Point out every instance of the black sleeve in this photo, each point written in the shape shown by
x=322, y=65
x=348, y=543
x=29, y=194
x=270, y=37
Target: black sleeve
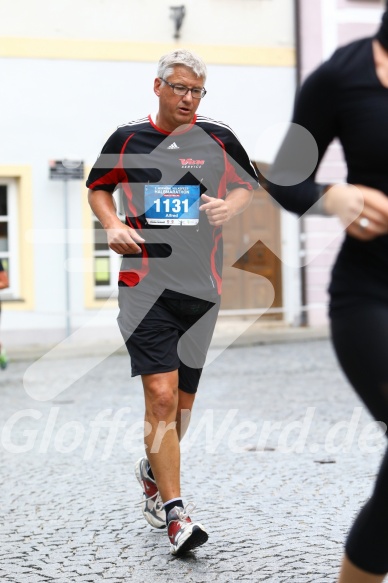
x=292, y=176
x=107, y=171
x=1, y=266
x=240, y=170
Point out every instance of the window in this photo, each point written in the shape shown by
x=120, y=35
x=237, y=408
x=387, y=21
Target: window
x=9, y=252
x=106, y=262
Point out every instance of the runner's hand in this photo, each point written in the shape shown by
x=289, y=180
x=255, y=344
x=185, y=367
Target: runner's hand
x=216, y=209
x=362, y=210
x=124, y=240
x=373, y=221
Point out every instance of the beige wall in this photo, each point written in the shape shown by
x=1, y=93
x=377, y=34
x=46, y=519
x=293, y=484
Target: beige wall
x=217, y=22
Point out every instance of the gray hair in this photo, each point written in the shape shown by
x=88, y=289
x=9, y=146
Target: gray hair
x=181, y=57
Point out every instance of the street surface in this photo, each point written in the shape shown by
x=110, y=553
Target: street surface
x=279, y=456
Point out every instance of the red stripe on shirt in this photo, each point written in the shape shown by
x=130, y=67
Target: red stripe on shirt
x=231, y=175
x=217, y=277
x=115, y=176
x=134, y=276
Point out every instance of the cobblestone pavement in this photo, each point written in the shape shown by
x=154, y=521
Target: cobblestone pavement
x=279, y=457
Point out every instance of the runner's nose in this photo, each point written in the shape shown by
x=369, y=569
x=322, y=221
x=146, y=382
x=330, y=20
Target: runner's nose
x=188, y=97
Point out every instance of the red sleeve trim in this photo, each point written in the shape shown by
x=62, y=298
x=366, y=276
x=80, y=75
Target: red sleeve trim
x=231, y=176
x=115, y=176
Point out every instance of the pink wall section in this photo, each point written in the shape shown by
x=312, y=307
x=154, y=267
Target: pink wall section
x=310, y=35
x=348, y=32
x=320, y=22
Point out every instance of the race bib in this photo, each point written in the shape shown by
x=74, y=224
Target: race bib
x=171, y=205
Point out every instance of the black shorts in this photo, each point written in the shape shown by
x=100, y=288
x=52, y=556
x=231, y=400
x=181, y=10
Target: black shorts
x=173, y=334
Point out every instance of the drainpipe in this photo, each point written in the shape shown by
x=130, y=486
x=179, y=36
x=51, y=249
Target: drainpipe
x=298, y=42
x=298, y=72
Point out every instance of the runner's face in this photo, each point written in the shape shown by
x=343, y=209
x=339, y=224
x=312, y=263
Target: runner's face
x=176, y=110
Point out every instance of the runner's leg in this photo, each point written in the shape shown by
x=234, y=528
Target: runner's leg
x=185, y=405
x=351, y=574
x=162, y=443
x=360, y=338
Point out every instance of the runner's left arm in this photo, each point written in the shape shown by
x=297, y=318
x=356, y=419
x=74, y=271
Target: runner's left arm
x=240, y=182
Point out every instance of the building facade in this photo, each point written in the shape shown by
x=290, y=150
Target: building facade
x=72, y=73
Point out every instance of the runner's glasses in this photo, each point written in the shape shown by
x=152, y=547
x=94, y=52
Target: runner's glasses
x=196, y=93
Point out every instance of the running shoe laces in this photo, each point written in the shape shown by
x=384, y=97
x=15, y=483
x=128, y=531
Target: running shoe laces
x=152, y=504
x=184, y=535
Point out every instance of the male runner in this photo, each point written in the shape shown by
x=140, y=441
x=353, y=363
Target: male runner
x=182, y=176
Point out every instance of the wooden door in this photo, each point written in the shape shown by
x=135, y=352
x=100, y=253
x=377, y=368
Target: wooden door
x=257, y=229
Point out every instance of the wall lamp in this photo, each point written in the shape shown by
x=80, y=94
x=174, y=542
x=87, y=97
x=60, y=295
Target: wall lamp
x=178, y=14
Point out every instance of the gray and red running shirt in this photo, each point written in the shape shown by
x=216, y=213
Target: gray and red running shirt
x=161, y=176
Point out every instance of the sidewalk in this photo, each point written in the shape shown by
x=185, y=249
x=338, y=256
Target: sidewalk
x=229, y=331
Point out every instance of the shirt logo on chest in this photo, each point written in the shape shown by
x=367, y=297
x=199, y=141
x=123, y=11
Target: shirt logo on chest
x=190, y=163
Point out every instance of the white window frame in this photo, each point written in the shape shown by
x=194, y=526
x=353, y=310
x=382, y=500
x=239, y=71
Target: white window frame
x=106, y=291
x=12, y=254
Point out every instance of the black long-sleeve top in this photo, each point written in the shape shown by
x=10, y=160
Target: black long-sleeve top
x=343, y=98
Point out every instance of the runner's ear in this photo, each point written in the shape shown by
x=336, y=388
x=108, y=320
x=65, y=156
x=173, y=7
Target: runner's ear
x=157, y=84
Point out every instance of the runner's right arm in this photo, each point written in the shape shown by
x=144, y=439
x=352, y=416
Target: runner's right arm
x=121, y=238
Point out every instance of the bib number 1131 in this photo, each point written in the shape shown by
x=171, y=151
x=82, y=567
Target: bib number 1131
x=172, y=205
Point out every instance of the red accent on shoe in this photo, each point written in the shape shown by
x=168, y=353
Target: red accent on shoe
x=174, y=526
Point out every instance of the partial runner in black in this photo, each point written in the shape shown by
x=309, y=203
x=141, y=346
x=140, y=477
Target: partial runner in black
x=181, y=177
x=347, y=97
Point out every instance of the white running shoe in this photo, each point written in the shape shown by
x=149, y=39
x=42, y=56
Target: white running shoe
x=184, y=534
x=152, y=504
